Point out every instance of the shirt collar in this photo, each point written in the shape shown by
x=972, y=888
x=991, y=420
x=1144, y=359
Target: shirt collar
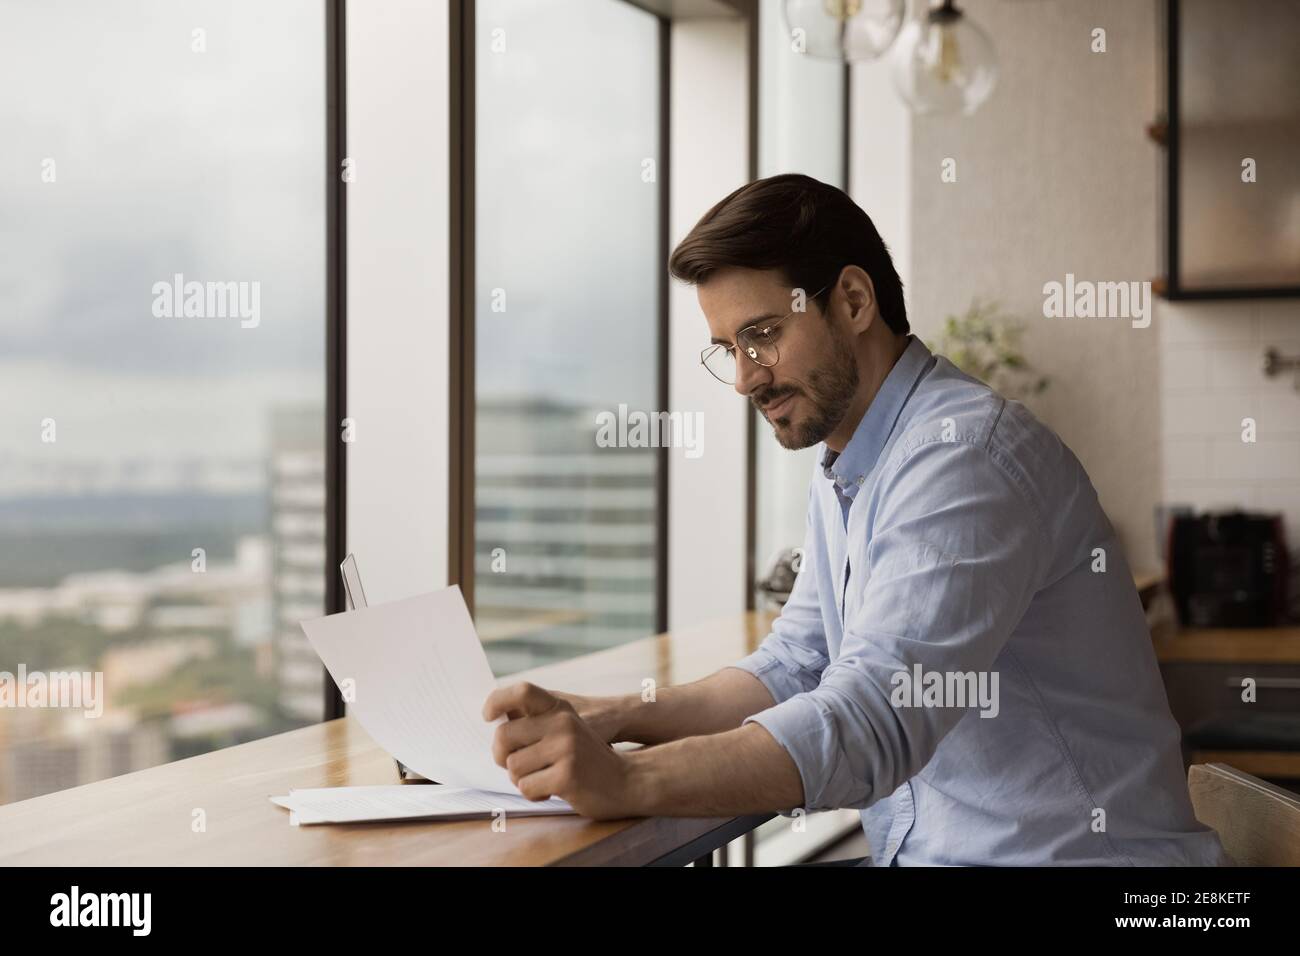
x=850, y=468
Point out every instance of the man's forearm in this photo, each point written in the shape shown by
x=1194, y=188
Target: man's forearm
x=727, y=774
x=715, y=704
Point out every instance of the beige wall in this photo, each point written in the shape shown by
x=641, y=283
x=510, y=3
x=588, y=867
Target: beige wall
x=709, y=143
x=398, y=245
x=1055, y=174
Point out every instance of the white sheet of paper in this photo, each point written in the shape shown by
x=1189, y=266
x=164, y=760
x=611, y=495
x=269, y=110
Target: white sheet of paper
x=407, y=802
x=420, y=678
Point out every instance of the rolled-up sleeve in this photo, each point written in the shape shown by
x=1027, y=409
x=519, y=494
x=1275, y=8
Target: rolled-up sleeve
x=953, y=560
x=793, y=657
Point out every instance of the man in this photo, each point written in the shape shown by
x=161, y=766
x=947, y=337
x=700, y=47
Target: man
x=963, y=657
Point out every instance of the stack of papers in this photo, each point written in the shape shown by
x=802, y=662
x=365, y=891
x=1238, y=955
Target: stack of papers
x=416, y=678
x=409, y=802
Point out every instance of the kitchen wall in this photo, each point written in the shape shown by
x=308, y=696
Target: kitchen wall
x=1210, y=380
x=1056, y=175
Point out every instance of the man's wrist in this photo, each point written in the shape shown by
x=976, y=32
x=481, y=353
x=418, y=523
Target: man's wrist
x=644, y=782
x=609, y=716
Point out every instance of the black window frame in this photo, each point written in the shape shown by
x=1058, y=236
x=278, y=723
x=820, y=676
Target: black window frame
x=462, y=397
x=336, y=339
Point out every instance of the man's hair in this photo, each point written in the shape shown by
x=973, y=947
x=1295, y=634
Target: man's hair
x=807, y=229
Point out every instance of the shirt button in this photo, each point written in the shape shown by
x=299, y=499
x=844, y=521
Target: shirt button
x=861, y=479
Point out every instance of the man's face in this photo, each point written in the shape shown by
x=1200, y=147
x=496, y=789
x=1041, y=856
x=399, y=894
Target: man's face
x=807, y=393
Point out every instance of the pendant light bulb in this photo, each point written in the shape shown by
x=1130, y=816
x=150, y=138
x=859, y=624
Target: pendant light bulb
x=945, y=63
x=843, y=30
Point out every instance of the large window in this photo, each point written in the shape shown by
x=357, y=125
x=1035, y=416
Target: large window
x=568, y=266
x=162, y=331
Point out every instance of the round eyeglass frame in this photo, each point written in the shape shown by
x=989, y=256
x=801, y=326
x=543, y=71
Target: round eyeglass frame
x=751, y=351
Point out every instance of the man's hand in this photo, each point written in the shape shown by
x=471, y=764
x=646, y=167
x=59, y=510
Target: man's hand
x=602, y=714
x=549, y=750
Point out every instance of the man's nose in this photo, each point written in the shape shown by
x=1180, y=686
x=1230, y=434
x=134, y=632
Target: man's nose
x=750, y=376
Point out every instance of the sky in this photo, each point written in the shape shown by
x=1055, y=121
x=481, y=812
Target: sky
x=210, y=164
x=566, y=224
x=167, y=161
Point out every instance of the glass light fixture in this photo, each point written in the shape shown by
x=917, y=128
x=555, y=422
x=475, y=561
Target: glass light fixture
x=843, y=29
x=944, y=63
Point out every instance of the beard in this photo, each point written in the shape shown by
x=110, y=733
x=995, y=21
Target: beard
x=829, y=390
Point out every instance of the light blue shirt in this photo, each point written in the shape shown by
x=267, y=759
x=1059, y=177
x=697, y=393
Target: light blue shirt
x=957, y=546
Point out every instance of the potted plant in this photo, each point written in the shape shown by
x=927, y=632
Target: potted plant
x=984, y=342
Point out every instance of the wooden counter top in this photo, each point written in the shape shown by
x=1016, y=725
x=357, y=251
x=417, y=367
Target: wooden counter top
x=1263, y=645
x=145, y=818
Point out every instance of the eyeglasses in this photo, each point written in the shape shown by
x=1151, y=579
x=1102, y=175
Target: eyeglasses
x=758, y=344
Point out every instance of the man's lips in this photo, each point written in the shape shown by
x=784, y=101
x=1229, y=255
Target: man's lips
x=778, y=407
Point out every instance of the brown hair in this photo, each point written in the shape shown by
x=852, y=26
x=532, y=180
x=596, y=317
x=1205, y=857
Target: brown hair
x=807, y=229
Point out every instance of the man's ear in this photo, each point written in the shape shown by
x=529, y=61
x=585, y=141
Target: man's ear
x=860, y=294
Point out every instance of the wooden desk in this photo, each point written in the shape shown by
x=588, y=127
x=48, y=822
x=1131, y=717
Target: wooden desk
x=145, y=818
